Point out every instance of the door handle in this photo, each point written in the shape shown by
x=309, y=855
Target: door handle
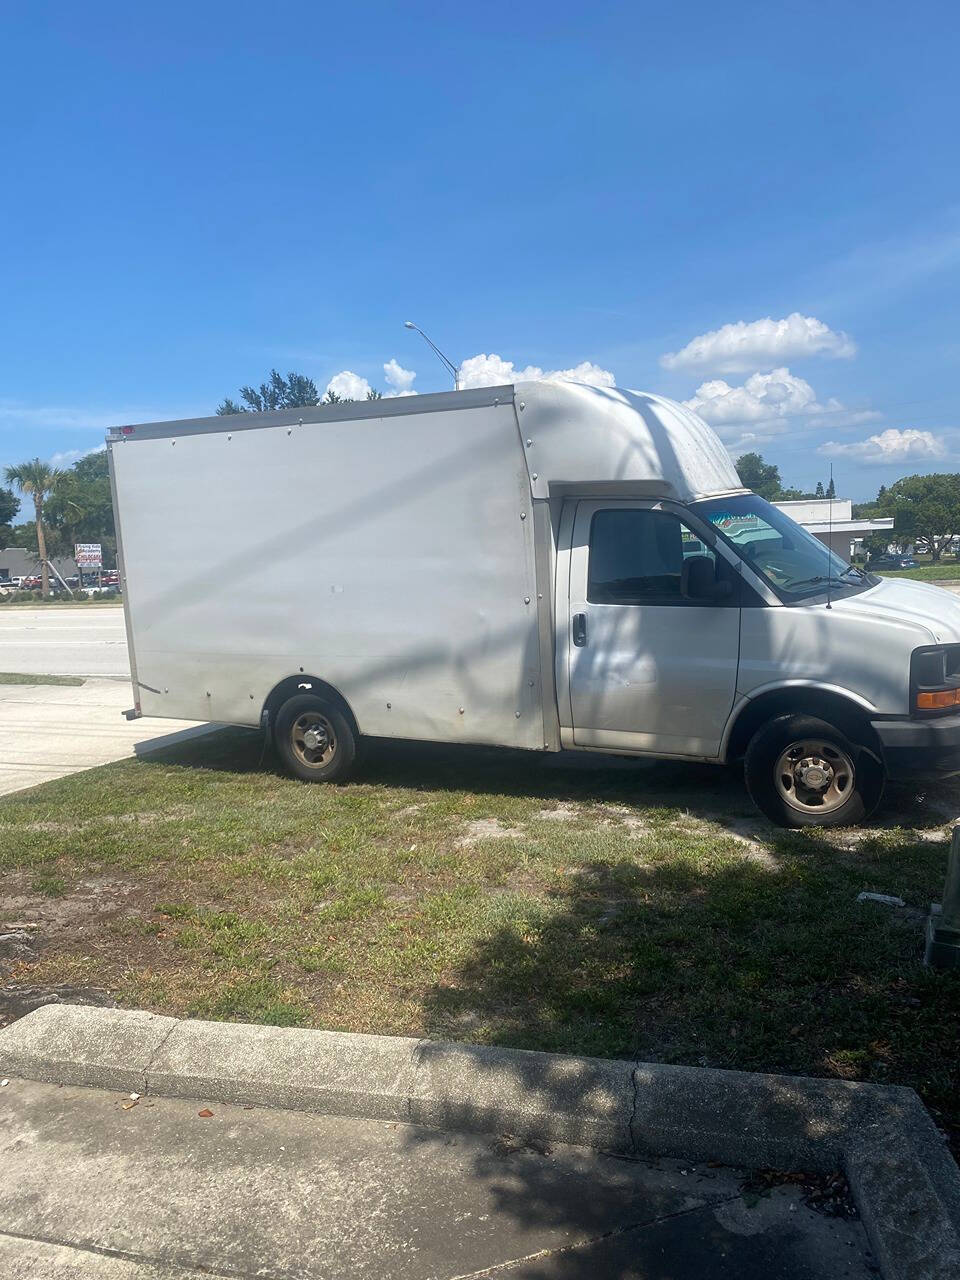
x=579, y=629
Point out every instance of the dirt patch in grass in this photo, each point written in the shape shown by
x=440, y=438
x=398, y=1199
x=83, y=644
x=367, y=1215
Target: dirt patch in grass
x=142, y=817
x=611, y=908
x=562, y=812
x=487, y=829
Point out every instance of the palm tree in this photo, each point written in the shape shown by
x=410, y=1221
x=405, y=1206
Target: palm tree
x=38, y=480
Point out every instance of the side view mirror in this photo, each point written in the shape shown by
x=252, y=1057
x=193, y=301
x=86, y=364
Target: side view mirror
x=698, y=581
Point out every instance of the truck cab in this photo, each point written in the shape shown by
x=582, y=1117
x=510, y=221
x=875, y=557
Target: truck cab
x=719, y=629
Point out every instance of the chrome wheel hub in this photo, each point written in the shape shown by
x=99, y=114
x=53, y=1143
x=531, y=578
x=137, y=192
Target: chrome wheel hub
x=814, y=776
x=313, y=739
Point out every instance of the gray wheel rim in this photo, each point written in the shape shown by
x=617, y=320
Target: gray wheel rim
x=313, y=739
x=814, y=776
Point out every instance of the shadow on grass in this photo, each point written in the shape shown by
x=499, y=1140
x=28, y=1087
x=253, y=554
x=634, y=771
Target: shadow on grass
x=743, y=967
x=733, y=965
x=716, y=793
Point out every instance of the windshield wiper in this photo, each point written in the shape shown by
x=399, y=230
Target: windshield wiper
x=818, y=578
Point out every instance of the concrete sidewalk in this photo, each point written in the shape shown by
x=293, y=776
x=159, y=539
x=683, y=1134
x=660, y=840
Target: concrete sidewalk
x=49, y=731
x=98, y=1184
x=421, y=1158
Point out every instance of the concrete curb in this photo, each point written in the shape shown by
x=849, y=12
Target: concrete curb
x=906, y=1186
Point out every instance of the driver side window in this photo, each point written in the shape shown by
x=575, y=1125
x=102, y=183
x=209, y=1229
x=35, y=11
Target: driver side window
x=637, y=555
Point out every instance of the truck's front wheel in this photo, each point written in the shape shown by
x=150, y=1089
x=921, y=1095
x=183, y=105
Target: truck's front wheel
x=314, y=739
x=802, y=772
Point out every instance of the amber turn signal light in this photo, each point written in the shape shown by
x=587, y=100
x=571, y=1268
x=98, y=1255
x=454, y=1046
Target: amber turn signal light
x=941, y=698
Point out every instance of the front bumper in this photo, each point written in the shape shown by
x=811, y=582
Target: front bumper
x=920, y=748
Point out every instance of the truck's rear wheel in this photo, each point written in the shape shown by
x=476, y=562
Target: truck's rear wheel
x=803, y=772
x=314, y=739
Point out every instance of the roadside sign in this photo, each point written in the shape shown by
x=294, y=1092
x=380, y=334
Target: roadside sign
x=89, y=555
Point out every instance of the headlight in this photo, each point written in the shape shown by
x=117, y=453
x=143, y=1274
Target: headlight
x=935, y=679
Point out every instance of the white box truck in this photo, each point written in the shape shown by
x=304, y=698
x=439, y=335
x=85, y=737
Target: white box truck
x=543, y=566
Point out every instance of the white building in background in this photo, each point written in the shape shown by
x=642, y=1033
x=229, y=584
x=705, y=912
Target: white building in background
x=836, y=527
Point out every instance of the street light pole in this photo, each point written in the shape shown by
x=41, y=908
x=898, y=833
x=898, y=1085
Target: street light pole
x=408, y=324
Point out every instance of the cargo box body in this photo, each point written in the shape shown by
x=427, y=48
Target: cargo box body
x=390, y=554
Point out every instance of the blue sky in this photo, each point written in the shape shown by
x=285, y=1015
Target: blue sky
x=768, y=193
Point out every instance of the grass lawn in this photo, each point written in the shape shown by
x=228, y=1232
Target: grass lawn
x=949, y=571
x=14, y=677
x=607, y=907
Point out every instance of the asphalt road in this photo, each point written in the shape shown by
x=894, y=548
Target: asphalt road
x=79, y=640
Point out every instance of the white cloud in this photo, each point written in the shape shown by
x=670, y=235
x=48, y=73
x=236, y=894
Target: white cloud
x=762, y=344
x=586, y=372
x=348, y=386
x=766, y=405
x=493, y=371
x=892, y=445
x=764, y=397
x=487, y=371
x=400, y=380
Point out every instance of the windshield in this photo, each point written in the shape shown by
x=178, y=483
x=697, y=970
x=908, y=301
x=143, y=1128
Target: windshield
x=795, y=563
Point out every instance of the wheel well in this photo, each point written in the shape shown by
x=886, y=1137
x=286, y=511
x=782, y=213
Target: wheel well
x=304, y=683
x=848, y=717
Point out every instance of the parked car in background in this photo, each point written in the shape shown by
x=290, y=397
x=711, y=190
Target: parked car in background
x=892, y=562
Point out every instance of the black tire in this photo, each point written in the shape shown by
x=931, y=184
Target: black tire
x=803, y=772
x=335, y=749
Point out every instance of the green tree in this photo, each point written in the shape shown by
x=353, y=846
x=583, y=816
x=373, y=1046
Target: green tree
x=925, y=510
x=762, y=477
x=819, y=491
x=876, y=544
x=292, y=392
x=39, y=480
x=831, y=489
x=81, y=507
x=9, y=506
x=24, y=535
x=331, y=397
x=295, y=391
